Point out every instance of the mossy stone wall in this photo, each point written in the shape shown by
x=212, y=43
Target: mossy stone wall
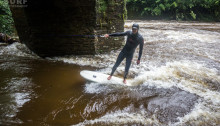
x=111, y=15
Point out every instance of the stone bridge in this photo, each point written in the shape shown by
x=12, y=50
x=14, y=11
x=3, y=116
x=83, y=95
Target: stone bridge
x=60, y=27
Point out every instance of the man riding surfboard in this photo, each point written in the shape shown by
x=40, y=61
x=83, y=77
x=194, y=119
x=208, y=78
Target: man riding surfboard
x=133, y=40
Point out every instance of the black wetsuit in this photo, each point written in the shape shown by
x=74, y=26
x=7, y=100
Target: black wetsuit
x=133, y=40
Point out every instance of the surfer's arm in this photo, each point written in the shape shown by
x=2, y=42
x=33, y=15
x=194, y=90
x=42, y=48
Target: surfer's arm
x=117, y=34
x=141, y=49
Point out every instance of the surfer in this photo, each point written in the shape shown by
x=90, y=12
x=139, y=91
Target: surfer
x=133, y=40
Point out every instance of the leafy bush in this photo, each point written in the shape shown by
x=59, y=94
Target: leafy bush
x=6, y=21
x=175, y=9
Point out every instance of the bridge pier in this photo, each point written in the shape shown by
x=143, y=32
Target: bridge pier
x=56, y=27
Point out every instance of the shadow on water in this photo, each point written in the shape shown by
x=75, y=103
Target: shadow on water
x=32, y=88
x=54, y=83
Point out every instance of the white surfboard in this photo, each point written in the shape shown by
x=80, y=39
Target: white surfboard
x=102, y=78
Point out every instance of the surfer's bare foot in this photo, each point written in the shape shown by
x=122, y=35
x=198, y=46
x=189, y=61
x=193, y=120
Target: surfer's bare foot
x=124, y=81
x=109, y=78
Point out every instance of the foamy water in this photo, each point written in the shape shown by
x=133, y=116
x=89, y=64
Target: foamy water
x=17, y=49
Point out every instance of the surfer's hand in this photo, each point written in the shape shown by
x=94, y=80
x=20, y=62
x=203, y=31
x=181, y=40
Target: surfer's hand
x=106, y=35
x=138, y=62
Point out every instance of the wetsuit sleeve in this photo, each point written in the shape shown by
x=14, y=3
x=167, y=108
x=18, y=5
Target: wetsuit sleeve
x=141, y=48
x=119, y=34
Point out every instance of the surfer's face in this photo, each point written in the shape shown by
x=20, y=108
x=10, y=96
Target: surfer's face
x=134, y=30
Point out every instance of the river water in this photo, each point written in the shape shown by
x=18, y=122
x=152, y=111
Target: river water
x=177, y=82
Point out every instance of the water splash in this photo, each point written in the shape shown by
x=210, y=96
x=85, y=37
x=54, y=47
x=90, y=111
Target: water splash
x=17, y=49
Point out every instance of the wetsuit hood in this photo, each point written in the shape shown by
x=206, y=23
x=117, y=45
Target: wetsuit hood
x=135, y=26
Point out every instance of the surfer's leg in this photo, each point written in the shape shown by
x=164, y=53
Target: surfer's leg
x=124, y=81
x=120, y=58
x=109, y=78
x=127, y=66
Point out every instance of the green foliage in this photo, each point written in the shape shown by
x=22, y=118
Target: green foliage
x=6, y=21
x=102, y=6
x=193, y=15
x=175, y=9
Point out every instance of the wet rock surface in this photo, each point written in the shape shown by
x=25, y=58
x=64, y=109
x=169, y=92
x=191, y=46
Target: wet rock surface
x=171, y=104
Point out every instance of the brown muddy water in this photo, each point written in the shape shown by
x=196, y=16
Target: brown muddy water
x=177, y=82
